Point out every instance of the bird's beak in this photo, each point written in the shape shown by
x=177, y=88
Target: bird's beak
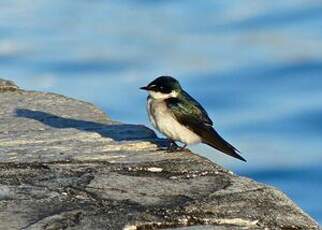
x=144, y=88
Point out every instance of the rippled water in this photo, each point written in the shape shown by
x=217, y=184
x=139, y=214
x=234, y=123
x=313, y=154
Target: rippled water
x=256, y=66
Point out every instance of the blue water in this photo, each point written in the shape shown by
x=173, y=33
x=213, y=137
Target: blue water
x=256, y=66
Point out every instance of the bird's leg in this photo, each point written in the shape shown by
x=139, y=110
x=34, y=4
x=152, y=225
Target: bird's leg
x=172, y=146
x=183, y=147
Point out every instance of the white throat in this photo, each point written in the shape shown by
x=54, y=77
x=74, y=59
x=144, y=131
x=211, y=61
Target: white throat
x=162, y=96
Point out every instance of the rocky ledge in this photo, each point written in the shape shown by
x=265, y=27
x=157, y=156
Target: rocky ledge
x=65, y=165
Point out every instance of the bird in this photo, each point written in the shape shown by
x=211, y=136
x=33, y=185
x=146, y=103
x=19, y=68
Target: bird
x=181, y=118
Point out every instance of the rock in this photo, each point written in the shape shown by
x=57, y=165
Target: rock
x=6, y=85
x=65, y=165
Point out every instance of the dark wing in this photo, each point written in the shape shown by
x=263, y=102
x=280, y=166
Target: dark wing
x=195, y=118
x=196, y=108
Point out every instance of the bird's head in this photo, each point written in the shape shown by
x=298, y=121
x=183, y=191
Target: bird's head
x=163, y=87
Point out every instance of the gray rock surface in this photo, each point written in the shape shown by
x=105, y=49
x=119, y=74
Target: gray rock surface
x=6, y=85
x=65, y=165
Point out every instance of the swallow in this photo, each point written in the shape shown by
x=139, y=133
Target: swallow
x=177, y=115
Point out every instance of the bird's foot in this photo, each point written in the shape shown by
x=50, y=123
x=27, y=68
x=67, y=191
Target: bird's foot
x=172, y=147
x=182, y=148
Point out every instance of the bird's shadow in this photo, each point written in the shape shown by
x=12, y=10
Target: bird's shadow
x=118, y=132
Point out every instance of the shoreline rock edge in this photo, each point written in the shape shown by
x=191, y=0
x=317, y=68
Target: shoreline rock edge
x=64, y=164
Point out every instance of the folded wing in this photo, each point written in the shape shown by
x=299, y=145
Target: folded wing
x=191, y=114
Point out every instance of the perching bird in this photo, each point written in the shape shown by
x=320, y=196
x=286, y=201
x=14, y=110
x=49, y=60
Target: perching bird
x=178, y=116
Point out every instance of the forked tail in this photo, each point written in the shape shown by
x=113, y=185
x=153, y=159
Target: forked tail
x=217, y=142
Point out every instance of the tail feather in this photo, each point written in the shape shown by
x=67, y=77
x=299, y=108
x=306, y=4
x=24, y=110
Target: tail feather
x=217, y=142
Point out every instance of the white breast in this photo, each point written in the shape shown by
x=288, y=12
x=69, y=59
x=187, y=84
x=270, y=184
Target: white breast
x=163, y=120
